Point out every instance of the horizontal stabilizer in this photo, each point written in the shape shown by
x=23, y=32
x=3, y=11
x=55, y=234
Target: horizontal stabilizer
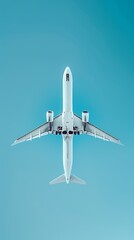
x=72, y=179
x=59, y=179
x=78, y=180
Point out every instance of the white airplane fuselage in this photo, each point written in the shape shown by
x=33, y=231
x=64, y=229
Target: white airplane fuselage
x=67, y=123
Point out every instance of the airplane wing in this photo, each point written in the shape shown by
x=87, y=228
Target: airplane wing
x=94, y=131
x=57, y=123
x=78, y=123
x=40, y=131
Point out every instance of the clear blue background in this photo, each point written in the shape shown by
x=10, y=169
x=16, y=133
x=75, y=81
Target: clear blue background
x=38, y=39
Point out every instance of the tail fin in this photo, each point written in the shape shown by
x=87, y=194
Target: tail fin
x=59, y=179
x=62, y=178
x=75, y=179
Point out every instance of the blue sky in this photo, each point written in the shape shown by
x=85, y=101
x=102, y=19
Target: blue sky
x=38, y=39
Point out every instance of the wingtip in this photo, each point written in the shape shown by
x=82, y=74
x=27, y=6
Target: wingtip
x=14, y=143
x=121, y=144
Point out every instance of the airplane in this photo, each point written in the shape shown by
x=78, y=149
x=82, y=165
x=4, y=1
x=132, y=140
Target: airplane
x=67, y=124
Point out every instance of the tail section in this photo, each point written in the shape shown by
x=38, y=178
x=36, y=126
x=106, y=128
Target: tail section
x=59, y=179
x=72, y=179
x=75, y=179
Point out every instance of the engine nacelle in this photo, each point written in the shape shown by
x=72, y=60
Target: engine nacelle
x=49, y=116
x=85, y=116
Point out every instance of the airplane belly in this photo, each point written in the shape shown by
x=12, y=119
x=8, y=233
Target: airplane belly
x=67, y=99
x=67, y=121
x=67, y=155
x=67, y=91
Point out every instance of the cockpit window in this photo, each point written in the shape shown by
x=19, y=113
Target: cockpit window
x=67, y=77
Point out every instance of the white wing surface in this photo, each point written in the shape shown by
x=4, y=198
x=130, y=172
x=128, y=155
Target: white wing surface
x=40, y=131
x=96, y=132
x=93, y=131
x=57, y=123
x=78, y=123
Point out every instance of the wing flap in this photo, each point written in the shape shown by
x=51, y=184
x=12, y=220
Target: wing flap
x=96, y=132
x=40, y=131
x=92, y=130
x=36, y=133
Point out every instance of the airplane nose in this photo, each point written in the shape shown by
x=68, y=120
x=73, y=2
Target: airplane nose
x=67, y=74
x=67, y=70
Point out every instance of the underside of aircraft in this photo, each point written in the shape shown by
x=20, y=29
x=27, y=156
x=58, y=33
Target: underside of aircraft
x=67, y=124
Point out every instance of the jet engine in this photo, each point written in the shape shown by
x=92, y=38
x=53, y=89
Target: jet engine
x=85, y=116
x=50, y=116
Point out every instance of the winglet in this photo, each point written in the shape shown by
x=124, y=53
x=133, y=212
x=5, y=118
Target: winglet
x=121, y=143
x=14, y=143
